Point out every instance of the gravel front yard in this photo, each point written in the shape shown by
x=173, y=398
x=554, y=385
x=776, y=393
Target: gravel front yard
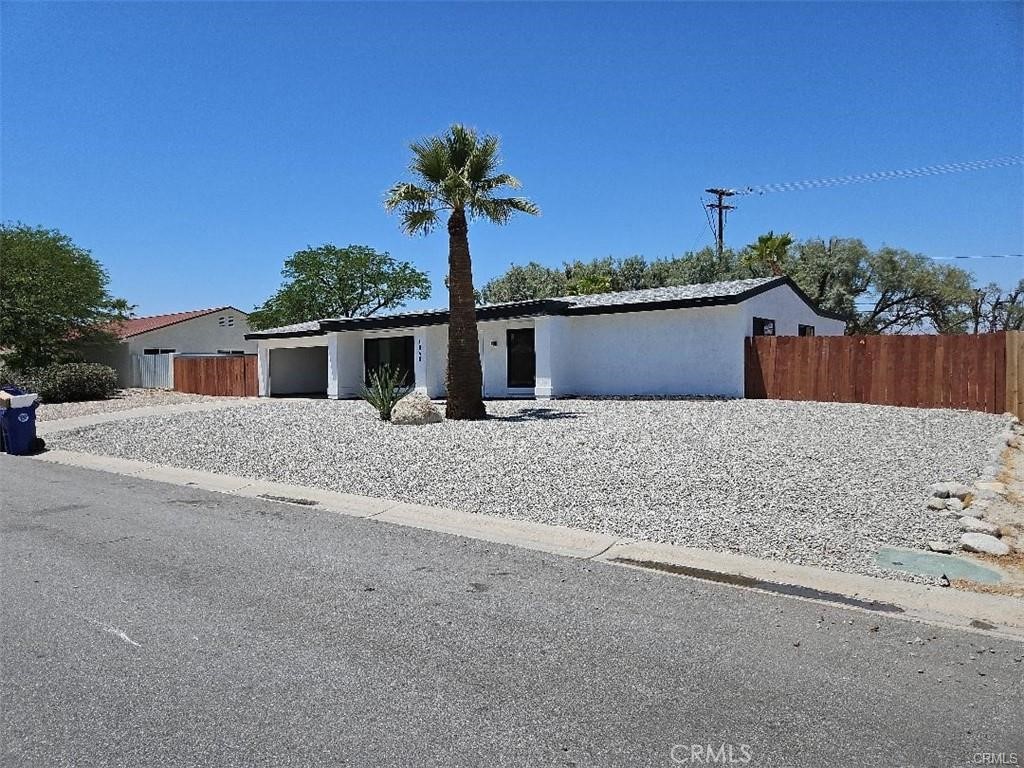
x=813, y=483
x=124, y=400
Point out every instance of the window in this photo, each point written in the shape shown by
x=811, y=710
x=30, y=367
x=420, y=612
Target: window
x=155, y=351
x=395, y=351
x=522, y=361
x=230, y=352
x=764, y=326
x=805, y=330
x=226, y=321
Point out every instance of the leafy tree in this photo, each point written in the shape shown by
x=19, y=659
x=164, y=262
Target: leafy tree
x=458, y=173
x=53, y=297
x=906, y=292
x=991, y=309
x=328, y=281
x=598, y=276
x=885, y=291
x=832, y=273
x=524, y=283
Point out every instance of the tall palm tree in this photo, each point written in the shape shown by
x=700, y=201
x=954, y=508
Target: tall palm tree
x=457, y=172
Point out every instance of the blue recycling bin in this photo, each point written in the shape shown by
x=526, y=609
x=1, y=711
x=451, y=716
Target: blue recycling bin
x=18, y=427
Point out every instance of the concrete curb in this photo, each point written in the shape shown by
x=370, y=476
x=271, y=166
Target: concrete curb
x=996, y=614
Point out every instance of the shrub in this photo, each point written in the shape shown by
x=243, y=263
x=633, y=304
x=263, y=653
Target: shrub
x=70, y=382
x=22, y=379
x=385, y=388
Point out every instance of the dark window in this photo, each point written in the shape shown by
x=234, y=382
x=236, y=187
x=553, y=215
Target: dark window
x=154, y=351
x=805, y=330
x=764, y=326
x=522, y=362
x=230, y=352
x=396, y=351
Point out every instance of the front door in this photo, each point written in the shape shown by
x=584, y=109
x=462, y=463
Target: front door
x=522, y=360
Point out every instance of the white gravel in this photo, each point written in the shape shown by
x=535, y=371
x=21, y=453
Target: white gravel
x=814, y=483
x=124, y=400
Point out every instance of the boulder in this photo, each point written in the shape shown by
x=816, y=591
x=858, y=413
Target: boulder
x=993, y=487
x=954, y=504
x=970, y=511
x=936, y=503
x=415, y=409
x=973, y=525
x=947, y=490
x=984, y=544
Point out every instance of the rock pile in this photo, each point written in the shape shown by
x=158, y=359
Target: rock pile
x=971, y=503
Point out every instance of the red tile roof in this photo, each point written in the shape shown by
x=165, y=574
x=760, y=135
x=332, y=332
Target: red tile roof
x=138, y=325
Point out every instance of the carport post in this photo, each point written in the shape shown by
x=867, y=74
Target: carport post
x=263, y=368
x=549, y=343
x=334, y=365
x=420, y=360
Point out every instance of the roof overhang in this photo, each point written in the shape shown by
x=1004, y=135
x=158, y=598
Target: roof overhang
x=536, y=308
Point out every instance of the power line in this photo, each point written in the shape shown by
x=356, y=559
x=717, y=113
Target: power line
x=861, y=178
x=992, y=256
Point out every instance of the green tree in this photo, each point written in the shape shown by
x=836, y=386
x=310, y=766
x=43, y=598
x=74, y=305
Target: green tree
x=458, y=173
x=524, y=283
x=991, y=308
x=53, y=297
x=770, y=253
x=328, y=281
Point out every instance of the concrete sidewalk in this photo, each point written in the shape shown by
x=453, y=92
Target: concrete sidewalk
x=948, y=607
x=44, y=428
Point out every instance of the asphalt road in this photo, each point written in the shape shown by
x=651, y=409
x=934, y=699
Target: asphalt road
x=153, y=625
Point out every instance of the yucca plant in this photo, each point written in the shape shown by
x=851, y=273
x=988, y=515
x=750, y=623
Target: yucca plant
x=385, y=387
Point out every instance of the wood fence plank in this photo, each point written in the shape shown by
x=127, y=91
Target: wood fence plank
x=979, y=372
x=221, y=375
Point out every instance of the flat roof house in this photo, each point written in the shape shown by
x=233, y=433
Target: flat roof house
x=682, y=340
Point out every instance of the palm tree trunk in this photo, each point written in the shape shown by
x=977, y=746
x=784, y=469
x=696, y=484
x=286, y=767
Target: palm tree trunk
x=465, y=378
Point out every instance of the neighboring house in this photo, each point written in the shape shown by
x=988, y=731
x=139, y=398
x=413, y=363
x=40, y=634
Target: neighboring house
x=685, y=340
x=220, y=330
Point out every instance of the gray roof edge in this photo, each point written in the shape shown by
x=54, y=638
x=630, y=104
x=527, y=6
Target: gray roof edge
x=542, y=307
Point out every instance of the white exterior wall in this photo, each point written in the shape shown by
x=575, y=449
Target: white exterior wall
x=198, y=335
x=343, y=375
x=494, y=355
x=788, y=311
x=695, y=351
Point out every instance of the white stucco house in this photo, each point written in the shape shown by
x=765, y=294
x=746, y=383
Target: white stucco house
x=684, y=340
x=219, y=330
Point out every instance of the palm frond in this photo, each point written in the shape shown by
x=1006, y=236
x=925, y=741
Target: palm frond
x=431, y=160
x=501, y=209
x=420, y=221
x=496, y=182
x=484, y=159
x=461, y=142
x=405, y=195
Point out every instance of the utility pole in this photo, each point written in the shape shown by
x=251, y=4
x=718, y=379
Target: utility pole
x=721, y=207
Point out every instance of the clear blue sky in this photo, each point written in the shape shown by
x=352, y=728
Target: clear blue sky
x=193, y=147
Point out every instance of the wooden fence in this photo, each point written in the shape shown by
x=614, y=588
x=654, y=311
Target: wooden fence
x=224, y=375
x=981, y=373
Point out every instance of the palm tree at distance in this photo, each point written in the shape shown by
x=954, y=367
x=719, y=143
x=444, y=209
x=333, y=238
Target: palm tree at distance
x=456, y=174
